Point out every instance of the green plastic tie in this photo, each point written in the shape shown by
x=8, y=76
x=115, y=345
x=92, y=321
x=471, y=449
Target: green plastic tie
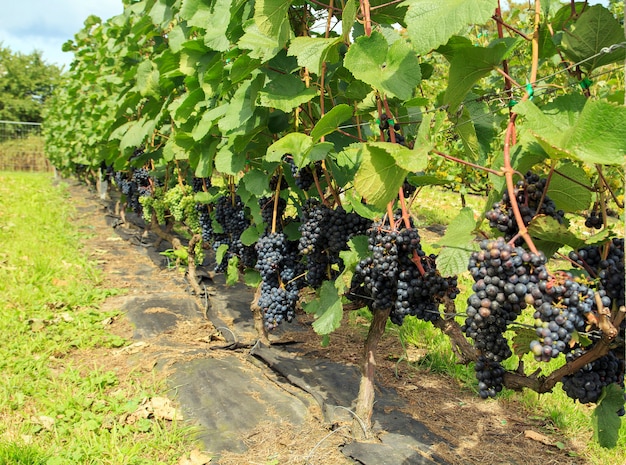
x=585, y=83
x=391, y=123
x=512, y=103
x=377, y=120
x=530, y=90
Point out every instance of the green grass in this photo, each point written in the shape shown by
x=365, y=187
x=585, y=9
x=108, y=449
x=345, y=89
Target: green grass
x=53, y=408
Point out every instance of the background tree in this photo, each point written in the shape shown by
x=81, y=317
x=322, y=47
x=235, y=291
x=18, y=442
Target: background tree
x=26, y=81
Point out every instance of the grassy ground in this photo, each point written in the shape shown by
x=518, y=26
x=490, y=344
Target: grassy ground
x=568, y=416
x=55, y=407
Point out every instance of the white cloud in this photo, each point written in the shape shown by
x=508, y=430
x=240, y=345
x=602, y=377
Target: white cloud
x=44, y=25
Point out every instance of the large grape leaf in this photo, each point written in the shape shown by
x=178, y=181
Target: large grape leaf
x=606, y=422
x=216, y=26
x=595, y=29
x=331, y=120
x=270, y=16
x=148, y=79
x=285, y=92
x=348, y=16
x=597, y=135
x=327, y=308
x=460, y=231
x=405, y=158
x=567, y=188
x=430, y=23
x=311, y=52
x=549, y=229
x=394, y=69
x=472, y=64
x=261, y=45
x=294, y=143
x=241, y=106
x=452, y=261
x=379, y=177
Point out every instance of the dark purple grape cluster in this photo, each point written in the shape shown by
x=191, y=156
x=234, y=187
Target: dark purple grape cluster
x=230, y=215
x=391, y=278
x=134, y=185
x=505, y=279
x=277, y=262
x=198, y=184
x=206, y=223
x=606, y=263
x=587, y=383
x=267, y=211
x=325, y=232
x=561, y=305
x=420, y=295
x=530, y=197
x=595, y=219
x=490, y=376
x=408, y=189
x=303, y=177
x=504, y=276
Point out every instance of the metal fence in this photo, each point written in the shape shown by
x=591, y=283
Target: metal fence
x=22, y=147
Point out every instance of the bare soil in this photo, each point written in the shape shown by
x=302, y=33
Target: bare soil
x=475, y=431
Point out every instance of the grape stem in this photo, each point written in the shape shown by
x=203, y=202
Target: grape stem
x=467, y=163
x=365, y=9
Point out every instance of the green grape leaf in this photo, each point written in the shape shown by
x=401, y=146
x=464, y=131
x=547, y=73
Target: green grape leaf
x=331, y=120
x=262, y=46
x=366, y=211
x=252, y=278
x=285, y=92
x=232, y=271
x=148, y=79
x=453, y=261
x=394, y=69
x=473, y=64
x=271, y=15
x=318, y=152
x=464, y=127
x=216, y=26
x=134, y=133
x=348, y=17
x=522, y=339
x=241, y=107
x=595, y=29
x=406, y=158
x=256, y=182
x=207, y=121
x=431, y=23
x=596, y=135
x=294, y=143
x=220, y=253
x=606, y=423
x=186, y=105
x=379, y=178
x=460, y=231
x=357, y=251
x=250, y=236
x=311, y=52
x=204, y=167
x=568, y=188
x=327, y=308
x=548, y=229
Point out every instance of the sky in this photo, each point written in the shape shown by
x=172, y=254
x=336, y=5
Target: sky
x=44, y=25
